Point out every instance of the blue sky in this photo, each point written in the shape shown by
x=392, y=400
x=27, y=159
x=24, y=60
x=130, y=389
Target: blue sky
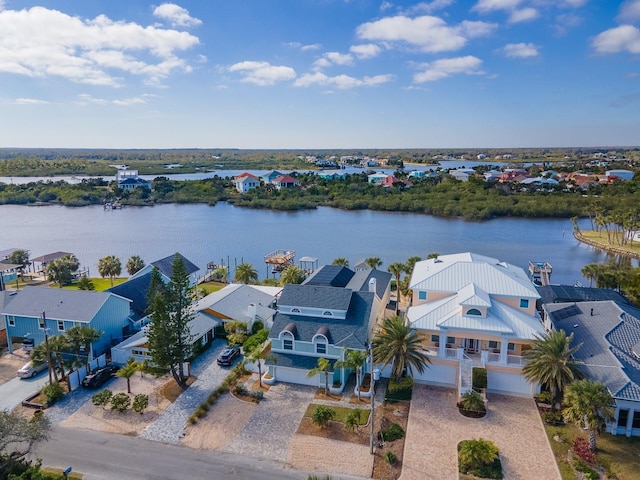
x=319, y=74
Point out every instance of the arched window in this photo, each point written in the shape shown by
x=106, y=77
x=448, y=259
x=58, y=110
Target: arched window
x=474, y=311
x=295, y=310
x=287, y=340
x=327, y=314
x=321, y=344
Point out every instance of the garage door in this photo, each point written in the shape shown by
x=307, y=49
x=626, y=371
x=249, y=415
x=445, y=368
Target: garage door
x=295, y=375
x=508, y=383
x=436, y=374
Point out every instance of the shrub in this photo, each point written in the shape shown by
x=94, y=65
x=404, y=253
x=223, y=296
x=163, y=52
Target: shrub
x=472, y=401
x=255, y=340
x=390, y=458
x=479, y=378
x=322, y=415
x=257, y=326
x=351, y=422
x=391, y=433
x=120, y=402
x=400, y=390
x=240, y=389
x=582, y=449
x=257, y=395
x=589, y=473
x=553, y=418
x=52, y=392
x=140, y=403
x=543, y=397
x=479, y=457
x=102, y=398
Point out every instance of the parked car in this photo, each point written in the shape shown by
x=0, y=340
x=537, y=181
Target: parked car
x=27, y=344
x=99, y=377
x=29, y=370
x=228, y=355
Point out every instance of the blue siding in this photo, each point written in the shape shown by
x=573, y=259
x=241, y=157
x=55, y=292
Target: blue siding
x=110, y=320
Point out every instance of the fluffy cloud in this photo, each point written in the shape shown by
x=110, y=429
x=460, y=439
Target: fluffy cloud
x=523, y=15
x=486, y=6
x=430, y=34
x=363, y=51
x=446, y=67
x=475, y=29
x=263, y=73
x=630, y=11
x=176, y=15
x=342, y=82
x=520, y=50
x=40, y=42
x=29, y=101
x=619, y=39
x=426, y=7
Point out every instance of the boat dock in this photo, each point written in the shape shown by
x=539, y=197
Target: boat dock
x=540, y=273
x=279, y=260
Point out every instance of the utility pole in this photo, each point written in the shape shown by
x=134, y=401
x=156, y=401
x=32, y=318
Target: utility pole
x=46, y=343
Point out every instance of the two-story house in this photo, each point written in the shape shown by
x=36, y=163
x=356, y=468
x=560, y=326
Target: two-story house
x=474, y=311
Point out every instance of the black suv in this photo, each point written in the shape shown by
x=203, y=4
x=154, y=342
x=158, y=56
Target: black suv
x=227, y=356
x=99, y=377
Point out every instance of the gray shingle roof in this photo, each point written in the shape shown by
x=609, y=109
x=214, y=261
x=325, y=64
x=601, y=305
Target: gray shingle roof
x=315, y=296
x=360, y=281
x=165, y=265
x=608, y=331
x=330, y=275
x=136, y=290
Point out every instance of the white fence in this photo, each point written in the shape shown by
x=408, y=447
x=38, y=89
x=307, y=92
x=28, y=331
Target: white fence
x=76, y=376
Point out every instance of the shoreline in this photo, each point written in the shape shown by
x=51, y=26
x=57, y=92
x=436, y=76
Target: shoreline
x=607, y=248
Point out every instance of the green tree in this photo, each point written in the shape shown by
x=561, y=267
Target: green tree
x=292, y=274
x=221, y=273
x=340, y=262
x=324, y=366
x=589, y=404
x=61, y=270
x=474, y=454
x=396, y=343
x=18, y=435
x=169, y=333
x=353, y=360
x=397, y=269
x=128, y=371
x=134, y=264
x=246, y=273
x=550, y=362
x=373, y=262
x=120, y=402
x=591, y=272
x=109, y=266
x=472, y=401
x=80, y=338
x=102, y=398
x=322, y=415
x=140, y=403
x=237, y=332
x=85, y=284
x=21, y=258
x=410, y=264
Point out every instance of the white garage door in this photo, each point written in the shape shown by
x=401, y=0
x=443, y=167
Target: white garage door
x=437, y=375
x=508, y=383
x=295, y=375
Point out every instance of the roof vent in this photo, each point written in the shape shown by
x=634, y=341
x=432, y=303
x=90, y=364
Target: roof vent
x=575, y=325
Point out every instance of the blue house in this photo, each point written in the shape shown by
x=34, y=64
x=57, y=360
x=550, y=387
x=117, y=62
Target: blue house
x=28, y=312
x=269, y=177
x=165, y=266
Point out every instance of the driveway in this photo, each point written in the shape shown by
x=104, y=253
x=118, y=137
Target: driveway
x=17, y=389
x=435, y=427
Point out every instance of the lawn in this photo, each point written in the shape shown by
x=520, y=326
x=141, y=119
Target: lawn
x=100, y=283
x=602, y=238
x=619, y=455
x=210, y=287
x=341, y=413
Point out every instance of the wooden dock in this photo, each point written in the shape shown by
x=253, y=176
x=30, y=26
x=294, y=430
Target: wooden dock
x=540, y=273
x=279, y=259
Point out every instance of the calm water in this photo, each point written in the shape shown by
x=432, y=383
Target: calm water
x=229, y=234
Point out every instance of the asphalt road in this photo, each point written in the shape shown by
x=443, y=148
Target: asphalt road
x=17, y=389
x=101, y=456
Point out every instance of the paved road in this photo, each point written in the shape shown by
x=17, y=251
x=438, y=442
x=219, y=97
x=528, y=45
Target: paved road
x=101, y=456
x=17, y=389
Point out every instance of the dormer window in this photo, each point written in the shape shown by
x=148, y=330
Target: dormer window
x=327, y=314
x=287, y=340
x=295, y=310
x=474, y=311
x=320, y=341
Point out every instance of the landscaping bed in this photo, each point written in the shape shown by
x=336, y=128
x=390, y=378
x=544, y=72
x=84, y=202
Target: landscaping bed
x=386, y=414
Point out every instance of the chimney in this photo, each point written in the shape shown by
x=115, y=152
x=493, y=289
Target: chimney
x=372, y=285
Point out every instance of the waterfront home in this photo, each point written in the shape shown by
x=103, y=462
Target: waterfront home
x=474, y=311
x=620, y=174
x=129, y=179
x=165, y=267
x=462, y=174
x=390, y=181
x=492, y=175
x=609, y=335
x=136, y=289
x=285, y=181
x=269, y=177
x=245, y=182
x=417, y=174
x=332, y=174
x=376, y=177
x=28, y=312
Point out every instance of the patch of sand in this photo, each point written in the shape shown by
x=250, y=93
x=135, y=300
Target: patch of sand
x=129, y=422
x=224, y=421
x=10, y=363
x=309, y=452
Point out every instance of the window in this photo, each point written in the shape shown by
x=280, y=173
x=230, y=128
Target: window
x=287, y=344
x=327, y=314
x=623, y=416
x=511, y=347
x=636, y=420
x=12, y=320
x=493, y=344
x=524, y=303
x=61, y=325
x=321, y=348
x=422, y=295
x=42, y=323
x=474, y=311
x=295, y=310
x=435, y=338
x=451, y=340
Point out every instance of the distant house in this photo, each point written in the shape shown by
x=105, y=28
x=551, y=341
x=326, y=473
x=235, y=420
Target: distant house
x=462, y=174
x=332, y=174
x=285, y=181
x=417, y=174
x=513, y=175
x=620, y=174
x=376, y=177
x=492, y=175
x=245, y=182
x=390, y=181
x=63, y=309
x=129, y=179
x=165, y=266
x=271, y=176
x=609, y=335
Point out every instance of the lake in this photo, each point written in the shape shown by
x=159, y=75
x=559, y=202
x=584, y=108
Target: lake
x=230, y=235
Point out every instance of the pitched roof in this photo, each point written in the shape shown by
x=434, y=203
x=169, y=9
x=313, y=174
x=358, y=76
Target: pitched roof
x=50, y=256
x=285, y=179
x=233, y=301
x=165, y=265
x=330, y=275
x=57, y=303
x=136, y=290
x=608, y=332
x=569, y=293
x=315, y=296
x=360, y=281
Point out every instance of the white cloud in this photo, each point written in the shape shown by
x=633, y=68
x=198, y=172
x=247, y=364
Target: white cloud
x=385, y=6
x=446, y=67
x=426, y=7
x=304, y=48
x=523, y=15
x=619, y=39
x=363, y=51
x=486, y=6
x=339, y=58
x=342, y=82
x=573, y=3
x=86, y=99
x=475, y=29
x=566, y=21
x=630, y=11
x=125, y=102
x=176, y=15
x=40, y=42
x=321, y=63
x=520, y=50
x=263, y=73
x=29, y=101
x=429, y=34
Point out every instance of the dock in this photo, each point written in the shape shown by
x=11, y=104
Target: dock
x=279, y=259
x=540, y=273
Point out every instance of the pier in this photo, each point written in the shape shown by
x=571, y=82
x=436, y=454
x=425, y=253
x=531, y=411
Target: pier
x=540, y=273
x=279, y=260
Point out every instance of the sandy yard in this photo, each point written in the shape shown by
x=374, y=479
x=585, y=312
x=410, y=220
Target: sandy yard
x=10, y=363
x=225, y=420
x=129, y=422
x=309, y=452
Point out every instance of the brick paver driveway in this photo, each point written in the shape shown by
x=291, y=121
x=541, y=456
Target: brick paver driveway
x=435, y=428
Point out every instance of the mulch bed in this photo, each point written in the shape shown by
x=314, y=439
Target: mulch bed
x=386, y=414
x=320, y=395
x=334, y=431
x=171, y=390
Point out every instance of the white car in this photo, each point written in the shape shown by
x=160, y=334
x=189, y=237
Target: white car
x=28, y=370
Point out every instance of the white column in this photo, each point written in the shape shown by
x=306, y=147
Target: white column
x=504, y=346
x=443, y=344
x=630, y=422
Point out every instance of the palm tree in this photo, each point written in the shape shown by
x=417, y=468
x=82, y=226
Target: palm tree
x=61, y=270
x=81, y=337
x=109, y=266
x=353, y=360
x=128, y=371
x=246, y=273
x=397, y=269
x=410, y=264
x=551, y=363
x=589, y=403
x=340, y=262
x=373, y=262
x=396, y=343
x=590, y=271
x=323, y=367
x=134, y=264
x=292, y=274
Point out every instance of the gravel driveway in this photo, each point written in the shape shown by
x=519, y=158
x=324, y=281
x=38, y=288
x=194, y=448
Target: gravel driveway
x=512, y=423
